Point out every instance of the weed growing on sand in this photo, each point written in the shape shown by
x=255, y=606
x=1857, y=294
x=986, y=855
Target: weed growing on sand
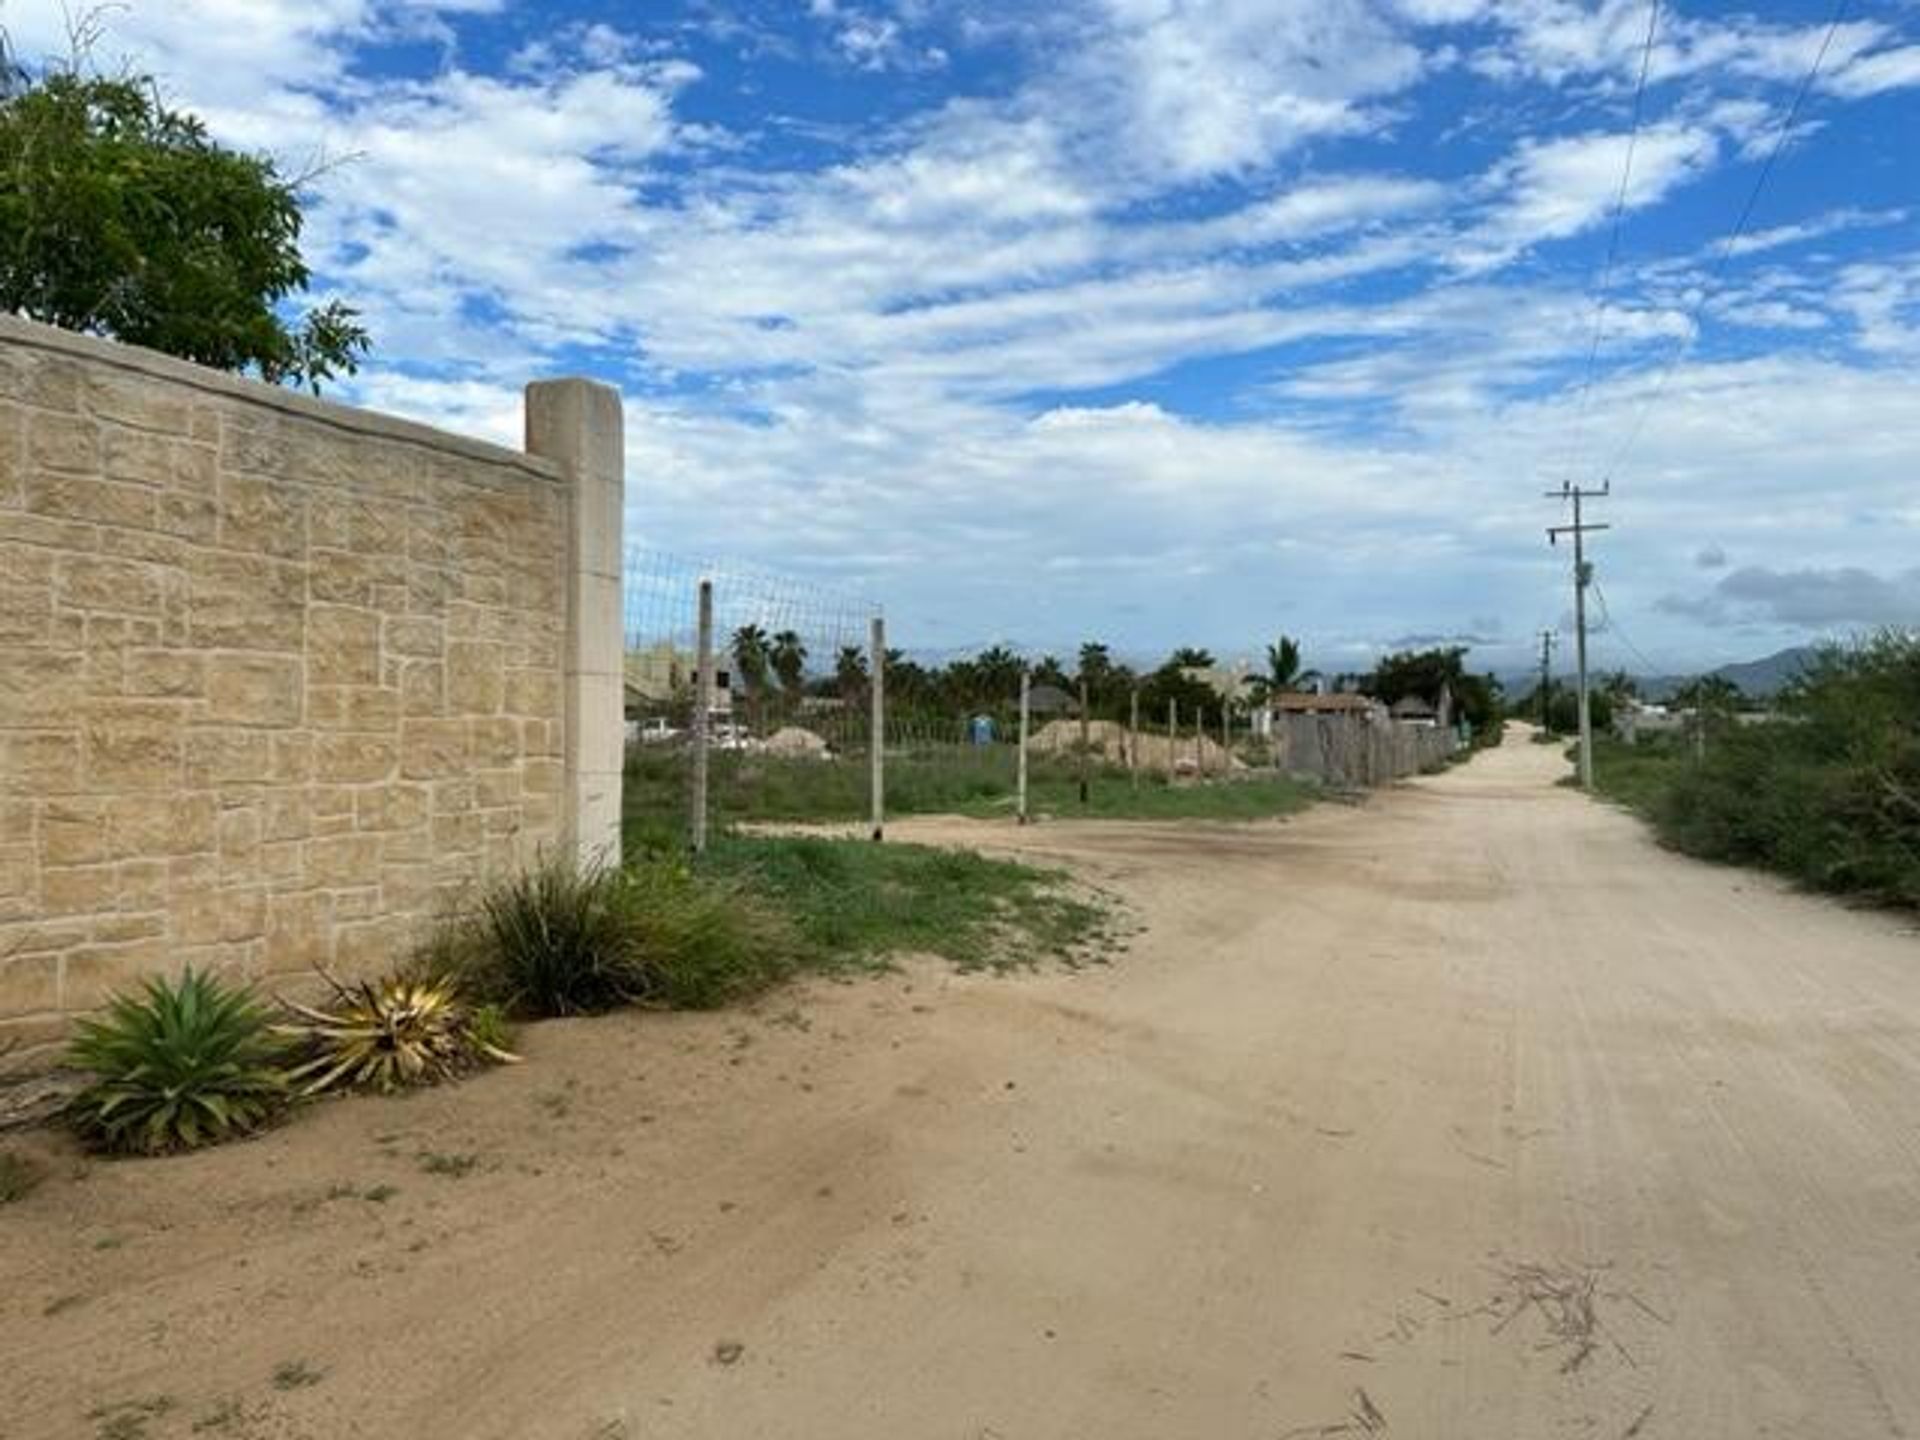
x=452, y=1166
x=19, y=1177
x=222, y=1416
x=128, y=1419
x=296, y=1375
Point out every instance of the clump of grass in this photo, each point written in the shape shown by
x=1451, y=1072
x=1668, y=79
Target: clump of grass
x=855, y=902
x=706, y=940
x=187, y=1063
x=560, y=940
x=128, y=1419
x=557, y=939
x=19, y=1177
x=296, y=1375
x=454, y=1166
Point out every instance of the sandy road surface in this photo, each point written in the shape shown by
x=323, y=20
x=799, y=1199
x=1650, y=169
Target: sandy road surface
x=1464, y=1114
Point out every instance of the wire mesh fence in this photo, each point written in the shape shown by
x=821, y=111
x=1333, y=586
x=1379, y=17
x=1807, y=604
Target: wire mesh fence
x=754, y=696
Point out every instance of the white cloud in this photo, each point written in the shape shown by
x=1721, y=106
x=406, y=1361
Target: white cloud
x=858, y=335
x=1875, y=73
x=1177, y=91
x=1551, y=189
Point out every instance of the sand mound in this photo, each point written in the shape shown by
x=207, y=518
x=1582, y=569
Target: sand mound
x=1111, y=742
x=792, y=740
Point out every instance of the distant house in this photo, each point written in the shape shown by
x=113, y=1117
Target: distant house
x=1416, y=711
x=1051, y=700
x=660, y=674
x=1300, y=702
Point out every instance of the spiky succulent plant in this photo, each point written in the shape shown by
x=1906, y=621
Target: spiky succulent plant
x=184, y=1064
x=388, y=1034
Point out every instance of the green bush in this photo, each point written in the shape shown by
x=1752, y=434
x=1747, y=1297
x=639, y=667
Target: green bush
x=187, y=1063
x=703, y=941
x=562, y=940
x=1826, y=791
x=557, y=939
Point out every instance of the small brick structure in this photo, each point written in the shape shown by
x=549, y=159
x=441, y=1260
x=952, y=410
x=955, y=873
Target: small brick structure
x=283, y=681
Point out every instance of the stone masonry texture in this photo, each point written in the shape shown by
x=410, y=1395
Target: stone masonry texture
x=280, y=682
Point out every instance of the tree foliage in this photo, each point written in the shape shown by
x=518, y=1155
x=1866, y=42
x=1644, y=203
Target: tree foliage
x=1828, y=792
x=1422, y=674
x=120, y=216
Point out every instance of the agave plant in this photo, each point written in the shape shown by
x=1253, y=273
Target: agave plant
x=182, y=1065
x=389, y=1034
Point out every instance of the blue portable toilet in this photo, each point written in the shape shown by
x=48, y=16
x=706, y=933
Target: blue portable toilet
x=980, y=729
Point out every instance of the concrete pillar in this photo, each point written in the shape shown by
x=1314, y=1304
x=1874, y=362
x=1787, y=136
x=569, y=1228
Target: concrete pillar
x=577, y=424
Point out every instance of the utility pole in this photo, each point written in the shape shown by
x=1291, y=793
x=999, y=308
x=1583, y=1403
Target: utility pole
x=1547, y=637
x=1582, y=577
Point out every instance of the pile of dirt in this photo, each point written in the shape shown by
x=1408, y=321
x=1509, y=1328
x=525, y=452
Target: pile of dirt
x=1110, y=741
x=792, y=740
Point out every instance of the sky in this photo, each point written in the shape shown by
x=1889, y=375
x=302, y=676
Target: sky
x=1156, y=322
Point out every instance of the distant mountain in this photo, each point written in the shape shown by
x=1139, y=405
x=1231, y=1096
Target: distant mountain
x=1758, y=678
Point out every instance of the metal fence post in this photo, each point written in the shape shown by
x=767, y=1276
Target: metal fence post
x=877, y=689
x=1133, y=740
x=1086, y=742
x=702, y=704
x=1020, y=783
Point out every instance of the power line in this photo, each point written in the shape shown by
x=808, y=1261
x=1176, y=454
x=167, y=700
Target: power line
x=1613, y=236
x=1613, y=628
x=1685, y=343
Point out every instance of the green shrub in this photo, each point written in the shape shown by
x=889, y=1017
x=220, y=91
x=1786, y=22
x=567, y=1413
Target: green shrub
x=1826, y=791
x=704, y=942
x=560, y=940
x=188, y=1063
x=557, y=939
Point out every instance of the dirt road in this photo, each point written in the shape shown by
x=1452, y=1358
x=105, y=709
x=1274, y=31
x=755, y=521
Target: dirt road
x=1466, y=1113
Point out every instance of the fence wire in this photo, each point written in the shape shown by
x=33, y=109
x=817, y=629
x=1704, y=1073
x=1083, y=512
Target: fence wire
x=790, y=724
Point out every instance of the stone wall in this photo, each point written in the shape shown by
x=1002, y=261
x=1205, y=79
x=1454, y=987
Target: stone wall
x=281, y=681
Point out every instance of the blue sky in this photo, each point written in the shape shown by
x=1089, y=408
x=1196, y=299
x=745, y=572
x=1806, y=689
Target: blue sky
x=1156, y=321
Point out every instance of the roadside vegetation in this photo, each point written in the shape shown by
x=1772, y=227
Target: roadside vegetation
x=1827, y=791
x=853, y=903
x=199, y=1060
x=761, y=788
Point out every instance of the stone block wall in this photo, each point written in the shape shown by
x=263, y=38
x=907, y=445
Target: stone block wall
x=280, y=681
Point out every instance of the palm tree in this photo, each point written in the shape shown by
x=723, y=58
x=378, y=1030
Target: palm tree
x=1191, y=657
x=788, y=656
x=850, y=672
x=996, y=674
x=1283, y=663
x=750, y=648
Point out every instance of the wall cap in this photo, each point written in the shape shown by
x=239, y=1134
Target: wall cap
x=137, y=360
